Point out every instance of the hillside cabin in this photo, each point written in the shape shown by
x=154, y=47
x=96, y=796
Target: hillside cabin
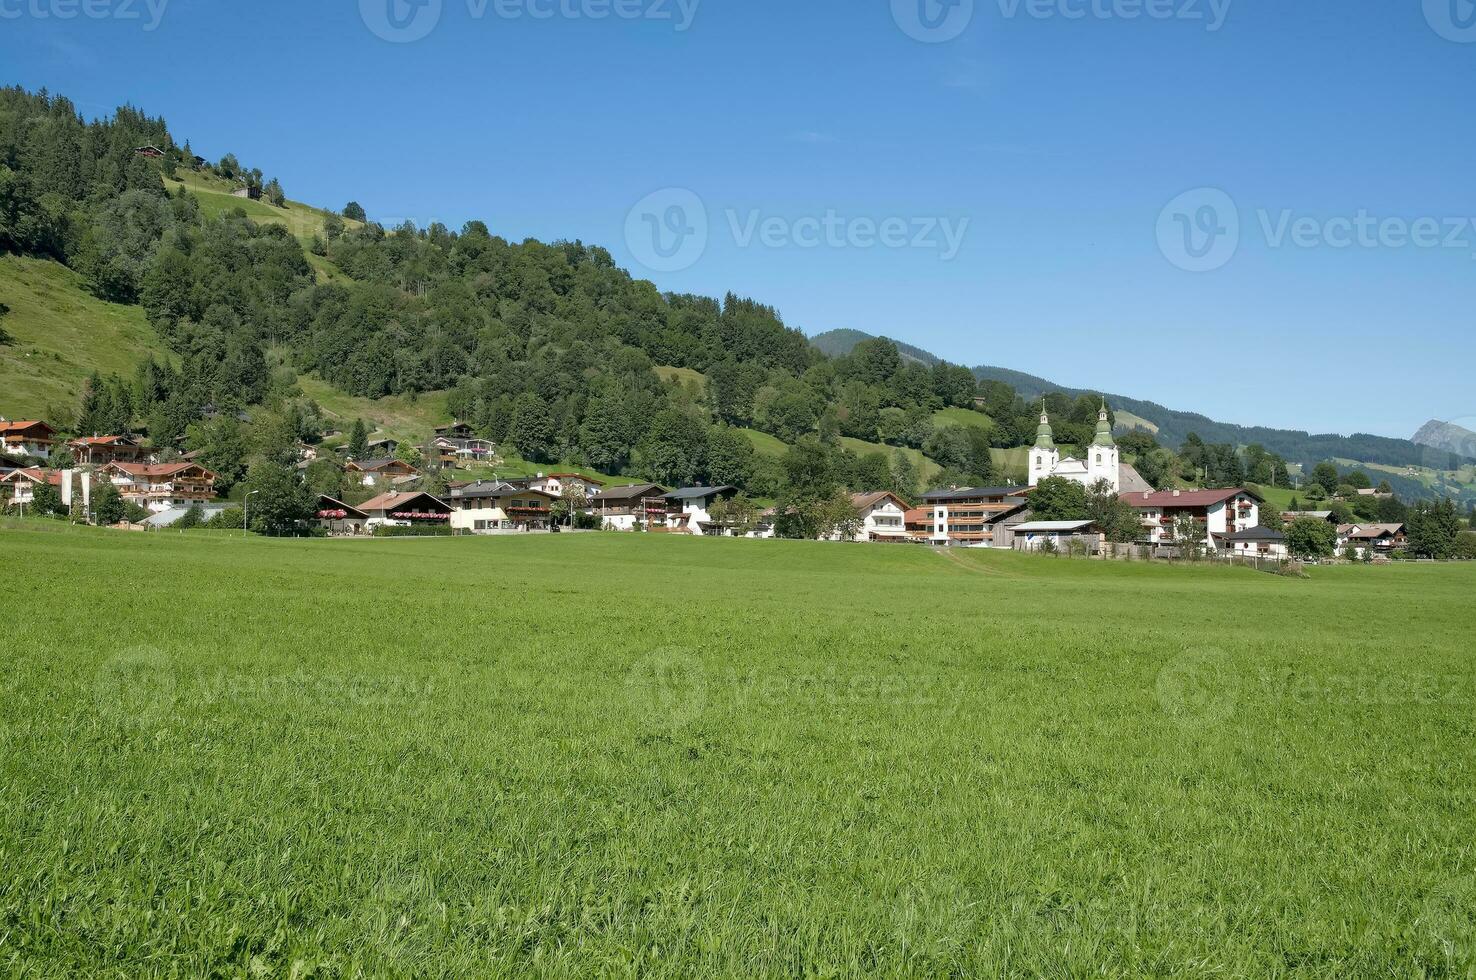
x=151, y=152
x=24, y=438
x=377, y=472
x=1382, y=539
x=555, y=483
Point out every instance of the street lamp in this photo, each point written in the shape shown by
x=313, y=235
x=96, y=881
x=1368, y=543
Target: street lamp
x=246, y=510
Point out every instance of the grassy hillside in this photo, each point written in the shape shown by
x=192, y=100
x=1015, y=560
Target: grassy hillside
x=962, y=416
x=62, y=334
x=303, y=758
x=215, y=197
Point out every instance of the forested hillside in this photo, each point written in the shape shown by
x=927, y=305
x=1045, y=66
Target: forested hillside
x=1173, y=427
x=225, y=304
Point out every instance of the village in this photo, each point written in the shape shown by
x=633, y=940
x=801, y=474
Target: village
x=163, y=490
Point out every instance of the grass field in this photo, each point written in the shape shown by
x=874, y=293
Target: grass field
x=588, y=755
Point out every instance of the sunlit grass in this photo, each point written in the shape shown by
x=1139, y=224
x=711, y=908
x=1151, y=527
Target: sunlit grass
x=586, y=755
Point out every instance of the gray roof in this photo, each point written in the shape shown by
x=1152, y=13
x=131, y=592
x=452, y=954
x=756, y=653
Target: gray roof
x=634, y=492
x=1130, y=480
x=1256, y=534
x=168, y=518
x=1047, y=526
x=969, y=493
x=699, y=493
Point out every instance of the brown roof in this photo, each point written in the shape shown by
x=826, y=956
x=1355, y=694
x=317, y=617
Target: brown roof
x=394, y=501
x=159, y=469
x=865, y=501
x=102, y=441
x=633, y=492
x=35, y=475
x=1187, y=498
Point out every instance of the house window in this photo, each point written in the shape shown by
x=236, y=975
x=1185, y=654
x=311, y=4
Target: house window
x=1099, y=459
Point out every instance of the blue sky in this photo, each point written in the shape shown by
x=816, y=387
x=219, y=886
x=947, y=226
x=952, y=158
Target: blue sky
x=1049, y=137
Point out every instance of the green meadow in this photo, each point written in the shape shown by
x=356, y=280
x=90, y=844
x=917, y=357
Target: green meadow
x=593, y=755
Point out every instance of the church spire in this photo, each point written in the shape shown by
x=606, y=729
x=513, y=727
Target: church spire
x=1104, y=429
x=1044, y=437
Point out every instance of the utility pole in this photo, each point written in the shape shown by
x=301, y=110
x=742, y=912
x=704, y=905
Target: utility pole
x=246, y=510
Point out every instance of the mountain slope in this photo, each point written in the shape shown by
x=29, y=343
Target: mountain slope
x=1447, y=437
x=62, y=334
x=836, y=343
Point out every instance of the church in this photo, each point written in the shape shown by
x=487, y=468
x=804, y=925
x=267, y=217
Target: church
x=1102, y=460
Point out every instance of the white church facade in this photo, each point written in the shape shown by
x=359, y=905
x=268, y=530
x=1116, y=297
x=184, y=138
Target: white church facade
x=1102, y=460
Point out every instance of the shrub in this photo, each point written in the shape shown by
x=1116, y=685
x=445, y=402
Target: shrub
x=415, y=531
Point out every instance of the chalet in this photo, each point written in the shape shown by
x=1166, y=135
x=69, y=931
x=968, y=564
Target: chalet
x=405, y=510
x=339, y=518
x=374, y=472
x=1287, y=516
x=491, y=507
x=152, y=152
x=883, y=516
x=26, y=438
x=160, y=486
x=630, y=508
x=102, y=450
x=1056, y=536
x=1218, y=512
x=456, y=430
x=967, y=516
x=690, y=509
x=555, y=483
x=18, y=487
x=1381, y=539
x=1257, y=542
x=444, y=452
x=382, y=448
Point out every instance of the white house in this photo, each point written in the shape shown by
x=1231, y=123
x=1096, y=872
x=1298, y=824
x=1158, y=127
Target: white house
x=883, y=516
x=405, y=510
x=630, y=508
x=1257, y=542
x=26, y=438
x=691, y=507
x=1218, y=512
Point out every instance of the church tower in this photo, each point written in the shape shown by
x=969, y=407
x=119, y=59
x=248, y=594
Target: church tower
x=1102, y=455
x=1045, y=456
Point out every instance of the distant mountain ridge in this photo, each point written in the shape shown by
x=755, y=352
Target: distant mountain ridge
x=1174, y=426
x=1447, y=437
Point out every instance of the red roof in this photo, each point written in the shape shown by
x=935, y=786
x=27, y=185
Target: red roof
x=16, y=428
x=35, y=475
x=1186, y=498
x=102, y=441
